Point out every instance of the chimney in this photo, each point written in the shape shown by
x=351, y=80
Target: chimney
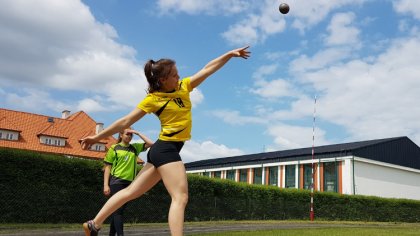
x=65, y=114
x=99, y=127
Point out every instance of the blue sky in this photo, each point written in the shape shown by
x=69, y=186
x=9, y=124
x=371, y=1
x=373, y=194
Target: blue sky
x=360, y=58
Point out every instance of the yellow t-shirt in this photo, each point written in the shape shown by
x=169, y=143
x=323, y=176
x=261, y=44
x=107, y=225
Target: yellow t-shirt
x=173, y=110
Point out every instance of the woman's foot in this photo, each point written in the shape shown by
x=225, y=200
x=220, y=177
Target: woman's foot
x=90, y=228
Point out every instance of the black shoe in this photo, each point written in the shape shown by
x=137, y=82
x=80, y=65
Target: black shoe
x=90, y=229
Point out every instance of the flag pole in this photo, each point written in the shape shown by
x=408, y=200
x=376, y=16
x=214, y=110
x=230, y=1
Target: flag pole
x=311, y=213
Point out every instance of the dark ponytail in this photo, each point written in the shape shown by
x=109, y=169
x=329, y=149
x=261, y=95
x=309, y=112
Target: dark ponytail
x=154, y=70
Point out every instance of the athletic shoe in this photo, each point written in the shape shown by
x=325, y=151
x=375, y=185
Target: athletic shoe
x=90, y=229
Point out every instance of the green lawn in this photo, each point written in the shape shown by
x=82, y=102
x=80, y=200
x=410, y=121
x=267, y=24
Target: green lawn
x=326, y=228
x=391, y=231
x=244, y=228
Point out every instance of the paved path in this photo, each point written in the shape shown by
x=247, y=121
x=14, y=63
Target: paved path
x=189, y=229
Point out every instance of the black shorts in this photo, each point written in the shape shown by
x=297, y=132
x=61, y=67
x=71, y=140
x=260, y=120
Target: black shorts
x=164, y=152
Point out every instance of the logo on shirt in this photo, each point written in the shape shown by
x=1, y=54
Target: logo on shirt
x=178, y=101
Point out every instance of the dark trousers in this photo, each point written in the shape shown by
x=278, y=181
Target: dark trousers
x=117, y=220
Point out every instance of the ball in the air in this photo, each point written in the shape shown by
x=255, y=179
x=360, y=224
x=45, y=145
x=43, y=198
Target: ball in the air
x=284, y=8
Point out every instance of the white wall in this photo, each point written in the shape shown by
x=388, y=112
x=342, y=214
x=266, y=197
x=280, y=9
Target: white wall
x=380, y=179
x=347, y=181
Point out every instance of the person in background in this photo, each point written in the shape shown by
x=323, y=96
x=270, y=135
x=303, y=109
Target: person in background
x=120, y=170
x=169, y=99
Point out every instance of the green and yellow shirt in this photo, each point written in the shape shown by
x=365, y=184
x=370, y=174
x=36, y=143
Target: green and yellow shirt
x=123, y=159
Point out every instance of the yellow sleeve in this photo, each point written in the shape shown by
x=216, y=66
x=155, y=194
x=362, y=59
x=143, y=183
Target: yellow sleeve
x=147, y=105
x=187, y=83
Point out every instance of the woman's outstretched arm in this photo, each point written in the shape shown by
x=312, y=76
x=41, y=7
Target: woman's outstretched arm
x=218, y=63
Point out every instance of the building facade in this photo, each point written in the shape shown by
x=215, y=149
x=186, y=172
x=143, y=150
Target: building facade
x=56, y=135
x=384, y=167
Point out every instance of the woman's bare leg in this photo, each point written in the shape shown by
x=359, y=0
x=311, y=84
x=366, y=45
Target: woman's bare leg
x=144, y=181
x=175, y=179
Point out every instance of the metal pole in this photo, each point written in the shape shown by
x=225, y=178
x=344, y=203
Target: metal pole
x=311, y=213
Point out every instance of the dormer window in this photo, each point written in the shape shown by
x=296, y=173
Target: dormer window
x=9, y=135
x=99, y=147
x=53, y=141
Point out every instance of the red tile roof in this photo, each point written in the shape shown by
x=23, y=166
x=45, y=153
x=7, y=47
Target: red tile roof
x=32, y=126
x=7, y=124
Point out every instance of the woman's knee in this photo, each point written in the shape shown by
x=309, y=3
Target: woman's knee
x=181, y=199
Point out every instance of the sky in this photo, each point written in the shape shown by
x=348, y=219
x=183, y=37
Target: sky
x=358, y=58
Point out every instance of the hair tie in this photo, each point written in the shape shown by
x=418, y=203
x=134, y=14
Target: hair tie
x=152, y=63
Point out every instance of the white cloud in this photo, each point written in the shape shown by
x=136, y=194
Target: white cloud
x=324, y=58
x=275, y=89
x=62, y=46
x=244, y=32
x=308, y=14
x=234, y=118
x=195, y=151
x=341, y=31
x=196, y=97
x=31, y=99
x=265, y=21
x=195, y=7
x=407, y=7
x=302, y=107
x=257, y=19
x=291, y=137
x=270, y=89
x=255, y=28
x=375, y=98
x=263, y=71
x=90, y=105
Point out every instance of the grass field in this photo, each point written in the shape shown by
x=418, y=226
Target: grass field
x=389, y=231
x=329, y=228
x=233, y=228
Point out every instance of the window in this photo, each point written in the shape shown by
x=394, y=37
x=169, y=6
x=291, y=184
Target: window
x=273, y=175
x=206, y=174
x=9, y=135
x=290, y=176
x=57, y=142
x=330, y=177
x=98, y=148
x=217, y=174
x=258, y=176
x=48, y=141
x=230, y=174
x=53, y=141
x=243, y=175
x=307, y=176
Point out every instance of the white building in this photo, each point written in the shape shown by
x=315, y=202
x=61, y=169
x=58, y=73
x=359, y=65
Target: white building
x=384, y=167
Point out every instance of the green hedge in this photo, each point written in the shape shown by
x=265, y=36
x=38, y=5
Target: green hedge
x=41, y=188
